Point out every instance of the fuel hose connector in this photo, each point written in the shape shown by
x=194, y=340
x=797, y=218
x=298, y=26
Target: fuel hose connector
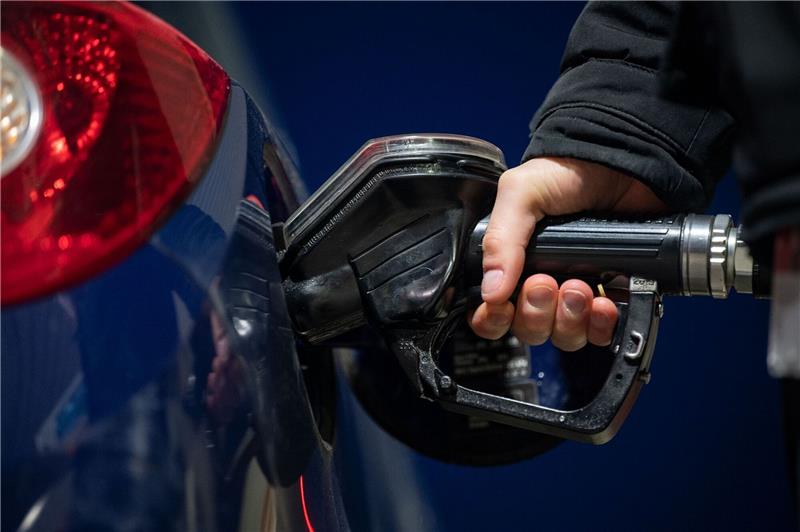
x=716, y=259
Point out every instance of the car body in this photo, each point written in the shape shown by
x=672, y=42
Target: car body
x=145, y=394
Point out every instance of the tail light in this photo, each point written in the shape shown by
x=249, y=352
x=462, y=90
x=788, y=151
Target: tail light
x=109, y=116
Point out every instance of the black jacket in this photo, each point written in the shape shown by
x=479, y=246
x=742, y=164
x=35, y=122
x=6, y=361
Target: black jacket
x=666, y=92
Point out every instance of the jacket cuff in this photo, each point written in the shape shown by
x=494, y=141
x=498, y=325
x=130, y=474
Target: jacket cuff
x=609, y=112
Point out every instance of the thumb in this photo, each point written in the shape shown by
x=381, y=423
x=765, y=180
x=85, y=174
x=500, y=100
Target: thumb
x=510, y=228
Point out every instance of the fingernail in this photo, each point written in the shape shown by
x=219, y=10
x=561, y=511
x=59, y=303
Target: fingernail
x=498, y=320
x=540, y=297
x=491, y=281
x=574, y=302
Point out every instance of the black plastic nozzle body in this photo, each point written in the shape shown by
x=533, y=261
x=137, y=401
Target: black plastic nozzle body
x=596, y=251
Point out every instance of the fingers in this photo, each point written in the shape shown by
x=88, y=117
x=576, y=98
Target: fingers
x=536, y=309
x=492, y=321
x=571, y=314
x=510, y=228
x=602, y=321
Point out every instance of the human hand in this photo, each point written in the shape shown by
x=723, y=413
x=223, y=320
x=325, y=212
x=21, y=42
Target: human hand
x=570, y=314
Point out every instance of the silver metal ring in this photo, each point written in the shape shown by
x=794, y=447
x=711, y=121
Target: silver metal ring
x=695, y=248
x=718, y=256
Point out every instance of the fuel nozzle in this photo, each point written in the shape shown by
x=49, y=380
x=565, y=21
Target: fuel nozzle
x=393, y=241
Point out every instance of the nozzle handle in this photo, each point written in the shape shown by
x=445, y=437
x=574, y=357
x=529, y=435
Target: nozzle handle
x=687, y=254
x=596, y=250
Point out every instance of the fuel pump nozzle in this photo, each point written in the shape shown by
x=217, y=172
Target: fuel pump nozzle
x=393, y=240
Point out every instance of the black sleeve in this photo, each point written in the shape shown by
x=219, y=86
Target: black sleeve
x=606, y=107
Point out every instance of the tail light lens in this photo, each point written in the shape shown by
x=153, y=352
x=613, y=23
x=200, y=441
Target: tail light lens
x=121, y=114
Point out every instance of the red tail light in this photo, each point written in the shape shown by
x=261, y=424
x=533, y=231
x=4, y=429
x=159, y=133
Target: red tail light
x=130, y=112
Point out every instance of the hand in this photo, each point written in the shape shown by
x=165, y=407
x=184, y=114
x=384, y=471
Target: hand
x=541, y=187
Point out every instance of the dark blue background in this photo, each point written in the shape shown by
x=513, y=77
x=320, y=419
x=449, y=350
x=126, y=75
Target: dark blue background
x=702, y=448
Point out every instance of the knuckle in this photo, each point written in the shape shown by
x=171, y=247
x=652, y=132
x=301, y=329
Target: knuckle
x=532, y=328
x=571, y=324
x=569, y=334
x=539, y=321
x=493, y=242
x=510, y=178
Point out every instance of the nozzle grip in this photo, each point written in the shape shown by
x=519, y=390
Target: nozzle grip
x=596, y=250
